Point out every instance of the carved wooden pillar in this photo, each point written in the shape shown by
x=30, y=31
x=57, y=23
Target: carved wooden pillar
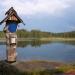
x=11, y=43
x=12, y=20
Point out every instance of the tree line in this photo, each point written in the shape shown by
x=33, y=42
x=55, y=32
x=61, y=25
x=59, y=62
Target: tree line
x=40, y=34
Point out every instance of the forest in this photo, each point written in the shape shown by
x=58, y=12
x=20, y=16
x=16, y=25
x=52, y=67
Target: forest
x=40, y=34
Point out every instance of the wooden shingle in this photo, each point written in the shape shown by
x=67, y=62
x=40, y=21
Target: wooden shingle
x=12, y=13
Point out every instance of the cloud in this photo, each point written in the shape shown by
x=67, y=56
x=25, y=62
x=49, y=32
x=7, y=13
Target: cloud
x=46, y=15
x=31, y=7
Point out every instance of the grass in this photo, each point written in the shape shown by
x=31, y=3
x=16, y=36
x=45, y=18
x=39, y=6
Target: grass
x=13, y=69
x=67, y=68
x=43, y=39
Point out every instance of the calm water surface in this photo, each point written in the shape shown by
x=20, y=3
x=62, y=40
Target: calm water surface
x=37, y=50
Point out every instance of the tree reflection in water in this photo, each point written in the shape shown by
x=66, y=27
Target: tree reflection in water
x=33, y=43
x=38, y=43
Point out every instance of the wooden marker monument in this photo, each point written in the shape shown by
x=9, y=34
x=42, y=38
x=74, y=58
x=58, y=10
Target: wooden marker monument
x=11, y=22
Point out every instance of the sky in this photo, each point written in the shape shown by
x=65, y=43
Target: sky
x=44, y=15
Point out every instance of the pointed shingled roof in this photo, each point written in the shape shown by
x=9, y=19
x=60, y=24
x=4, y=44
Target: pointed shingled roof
x=9, y=13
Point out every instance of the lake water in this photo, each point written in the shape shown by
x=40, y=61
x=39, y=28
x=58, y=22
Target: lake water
x=37, y=50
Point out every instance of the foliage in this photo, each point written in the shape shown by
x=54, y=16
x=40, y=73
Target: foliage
x=40, y=34
x=32, y=34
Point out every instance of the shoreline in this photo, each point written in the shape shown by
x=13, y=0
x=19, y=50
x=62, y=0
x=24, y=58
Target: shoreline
x=41, y=39
x=36, y=64
x=36, y=68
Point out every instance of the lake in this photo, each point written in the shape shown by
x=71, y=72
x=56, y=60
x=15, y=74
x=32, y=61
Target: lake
x=43, y=50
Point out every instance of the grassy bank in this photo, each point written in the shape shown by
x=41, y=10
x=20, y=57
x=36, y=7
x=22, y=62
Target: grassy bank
x=41, y=39
x=57, y=39
x=36, y=68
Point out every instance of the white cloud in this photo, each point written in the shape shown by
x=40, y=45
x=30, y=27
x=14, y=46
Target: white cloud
x=30, y=7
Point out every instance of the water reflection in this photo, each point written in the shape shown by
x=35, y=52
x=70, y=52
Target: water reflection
x=63, y=51
x=33, y=43
x=2, y=43
x=68, y=42
x=38, y=43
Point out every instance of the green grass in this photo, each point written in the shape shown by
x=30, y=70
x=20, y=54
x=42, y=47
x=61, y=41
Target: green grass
x=9, y=69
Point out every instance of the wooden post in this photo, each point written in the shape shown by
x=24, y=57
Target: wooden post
x=11, y=20
x=11, y=43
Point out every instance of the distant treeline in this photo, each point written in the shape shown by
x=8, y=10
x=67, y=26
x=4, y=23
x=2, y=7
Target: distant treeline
x=40, y=34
